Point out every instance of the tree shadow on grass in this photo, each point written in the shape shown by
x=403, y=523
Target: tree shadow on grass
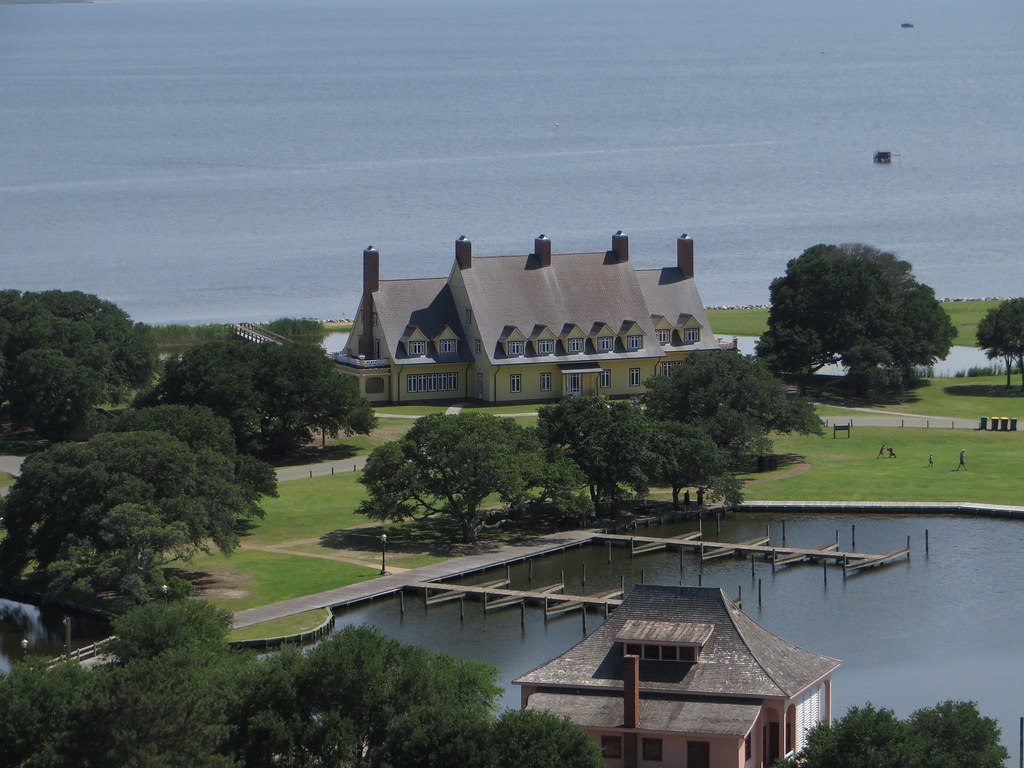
x=312, y=454
x=432, y=536
x=984, y=390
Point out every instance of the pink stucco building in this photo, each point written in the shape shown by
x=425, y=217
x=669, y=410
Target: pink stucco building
x=679, y=676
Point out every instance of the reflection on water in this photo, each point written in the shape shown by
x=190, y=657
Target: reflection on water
x=43, y=628
x=910, y=634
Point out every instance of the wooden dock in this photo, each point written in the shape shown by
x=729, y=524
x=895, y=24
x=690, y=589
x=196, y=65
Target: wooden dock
x=495, y=595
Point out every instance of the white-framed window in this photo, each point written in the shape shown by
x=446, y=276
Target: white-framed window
x=469, y=316
x=417, y=348
x=515, y=382
x=668, y=368
x=691, y=334
x=606, y=378
x=575, y=345
x=634, y=377
x=514, y=348
x=432, y=382
x=664, y=335
x=605, y=343
x=476, y=346
x=545, y=382
x=448, y=345
x=545, y=347
x=635, y=342
x=374, y=316
x=573, y=384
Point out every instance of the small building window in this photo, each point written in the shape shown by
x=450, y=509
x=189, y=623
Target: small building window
x=664, y=336
x=514, y=348
x=605, y=344
x=692, y=334
x=417, y=348
x=634, y=342
x=374, y=319
x=515, y=383
x=651, y=749
x=634, y=377
x=447, y=345
x=469, y=316
x=575, y=345
x=545, y=347
x=611, y=746
x=667, y=369
x=477, y=346
x=545, y=382
x=747, y=748
x=606, y=379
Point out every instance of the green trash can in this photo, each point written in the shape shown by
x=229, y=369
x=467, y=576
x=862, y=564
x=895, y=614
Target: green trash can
x=1013, y=425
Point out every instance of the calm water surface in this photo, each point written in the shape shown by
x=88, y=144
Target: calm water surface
x=229, y=160
x=942, y=626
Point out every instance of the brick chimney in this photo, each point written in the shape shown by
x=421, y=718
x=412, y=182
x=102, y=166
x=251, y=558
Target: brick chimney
x=684, y=255
x=620, y=245
x=371, y=284
x=464, y=252
x=630, y=691
x=542, y=250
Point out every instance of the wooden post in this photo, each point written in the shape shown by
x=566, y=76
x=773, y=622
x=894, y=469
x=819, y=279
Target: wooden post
x=508, y=571
x=522, y=614
x=609, y=551
x=530, y=569
x=767, y=530
x=584, y=574
x=700, y=579
x=401, y=602
x=824, y=571
x=775, y=555
x=926, y=550
x=583, y=610
x=561, y=577
x=718, y=523
x=631, y=545
x=741, y=593
x=606, y=609
x=462, y=607
x=759, y=601
x=643, y=575
x=853, y=537
x=783, y=533
x=751, y=567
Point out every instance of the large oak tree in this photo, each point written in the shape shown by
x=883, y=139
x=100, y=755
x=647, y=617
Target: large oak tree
x=855, y=306
x=1001, y=334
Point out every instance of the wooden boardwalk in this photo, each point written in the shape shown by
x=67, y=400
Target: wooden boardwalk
x=432, y=578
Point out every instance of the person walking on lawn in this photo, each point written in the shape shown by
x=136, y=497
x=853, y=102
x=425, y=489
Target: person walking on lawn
x=963, y=453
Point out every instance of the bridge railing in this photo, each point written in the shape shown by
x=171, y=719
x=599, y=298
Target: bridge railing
x=259, y=335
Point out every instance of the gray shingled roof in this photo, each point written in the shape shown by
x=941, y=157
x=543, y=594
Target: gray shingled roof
x=581, y=289
x=426, y=304
x=665, y=631
x=741, y=658
x=672, y=296
x=696, y=715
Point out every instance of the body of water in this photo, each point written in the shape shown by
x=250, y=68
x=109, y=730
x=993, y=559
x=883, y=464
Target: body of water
x=940, y=626
x=229, y=160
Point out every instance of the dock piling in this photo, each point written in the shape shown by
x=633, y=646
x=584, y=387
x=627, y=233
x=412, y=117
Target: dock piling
x=530, y=562
x=401, y=602
x=926, y=550
x=609, y=551
x=783, y=533
x=584, y=574
x=759, y=600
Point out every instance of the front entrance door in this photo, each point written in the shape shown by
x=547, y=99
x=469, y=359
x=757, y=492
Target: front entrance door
x=574, y=384
x=698, y=754
x=770, y=743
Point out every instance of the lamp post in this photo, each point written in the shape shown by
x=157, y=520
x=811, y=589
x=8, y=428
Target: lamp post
x=164, y=589
x=383, y=553
x=24, y=647
x=67, y=637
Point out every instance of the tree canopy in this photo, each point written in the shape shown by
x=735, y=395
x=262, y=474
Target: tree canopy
x=687, y=456
x=110, y=514
x=274, y=395
x=62, y=353
x=952, y=734
x=449, y=464
x=856, y=306
x=1001, y=334
x=610, y=443
x=176, y=696
x=733, y=399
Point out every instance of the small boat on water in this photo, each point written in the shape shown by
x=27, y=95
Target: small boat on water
x=906, y=25
x=883, y=157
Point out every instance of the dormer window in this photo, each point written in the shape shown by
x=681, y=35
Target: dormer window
x=605, y=344
x=545, y=347
x=664, y=640
x=664, y=335
x=635, y=342
x=691, y=335
x=514, y=348
x=575, y=345
x=417, y=348
x=447, y=346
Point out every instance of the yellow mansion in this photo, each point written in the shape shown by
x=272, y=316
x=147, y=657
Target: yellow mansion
x=507, y=329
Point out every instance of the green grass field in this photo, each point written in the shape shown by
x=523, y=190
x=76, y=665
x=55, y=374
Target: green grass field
x=752, y=322
x=284, y=627
x=846, y=469
x=965, y=398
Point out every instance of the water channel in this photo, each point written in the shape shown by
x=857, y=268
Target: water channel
x=941, y=625
x=946, y=625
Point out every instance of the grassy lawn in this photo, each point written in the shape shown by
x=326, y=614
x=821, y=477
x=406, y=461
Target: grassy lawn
x=289, y=625
x=752, y=322
x=5, y=479
x=410, y=410
x=249, y=578
x=845, y=469
x=966, y=398
x=307, y=508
